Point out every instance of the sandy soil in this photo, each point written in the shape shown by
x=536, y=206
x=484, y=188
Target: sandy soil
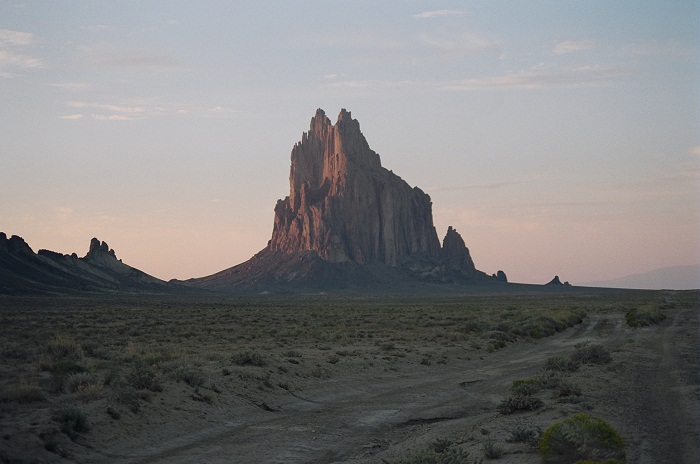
x=365, y=413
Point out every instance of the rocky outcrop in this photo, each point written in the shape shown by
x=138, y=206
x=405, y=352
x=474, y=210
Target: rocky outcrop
x=14, y=245
x=347, y=222
x=345, y=206
x=99, y=249
x=23, y=271
x=500, y=276
x=455, y=254
x=556, y=282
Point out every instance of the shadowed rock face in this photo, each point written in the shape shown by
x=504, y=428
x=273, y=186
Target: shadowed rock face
x=456, y=255
x=345, y=206
x=23, y=271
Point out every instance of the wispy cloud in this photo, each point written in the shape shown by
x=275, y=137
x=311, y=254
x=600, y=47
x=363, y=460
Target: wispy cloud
x=13, y=56
x=109, y=111
x=694, y=150
x=15, y=38
x=436, y=13
x=130, y=110
x=545, y=75
x=107, y=106
x=573, y=46
x=368, y=83
x=219, y=109
x=73, y=86
x=462, y=44
x=114, y=117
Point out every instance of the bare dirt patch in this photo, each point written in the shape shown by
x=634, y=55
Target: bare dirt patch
x=327, y=379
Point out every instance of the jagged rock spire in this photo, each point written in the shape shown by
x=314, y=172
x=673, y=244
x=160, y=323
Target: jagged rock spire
x=345, y=206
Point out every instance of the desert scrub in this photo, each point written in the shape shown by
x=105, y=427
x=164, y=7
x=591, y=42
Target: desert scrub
x=525, y=387
x=557, y=363
x=519, y=403
x=579, y=438
x=191, y=375
x=491, y=449
x=143, y=377
x=566, y=389
x=590, y=354
x=85, y=385
x=73, y=422
x=249, y=358
x=440, y=452
x=61, y=370
x=22, y=393
x=64, y=347
x=525, y=435
x=550, y=379
x=643, y=317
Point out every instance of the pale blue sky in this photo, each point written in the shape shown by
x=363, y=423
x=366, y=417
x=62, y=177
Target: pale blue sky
x=556, y=137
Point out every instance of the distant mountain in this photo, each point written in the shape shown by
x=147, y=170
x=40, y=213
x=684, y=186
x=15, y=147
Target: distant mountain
x=671, y=278
x=349, y=223
x=23, y=271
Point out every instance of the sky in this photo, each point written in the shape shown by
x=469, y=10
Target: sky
x=556, y=137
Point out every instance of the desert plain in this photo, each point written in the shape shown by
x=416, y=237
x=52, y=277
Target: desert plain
x=345, y=379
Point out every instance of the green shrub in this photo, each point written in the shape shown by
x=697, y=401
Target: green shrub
x=641, y=318
x=518, y=403
x=525, y=387
x=557, y=363
x=591, y=354
x=73, y=421
x=579, y=438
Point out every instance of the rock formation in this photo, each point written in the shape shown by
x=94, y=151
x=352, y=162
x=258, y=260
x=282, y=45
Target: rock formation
x=345, y=206
x=23, y=271
x=349, y=221
x=556, y=282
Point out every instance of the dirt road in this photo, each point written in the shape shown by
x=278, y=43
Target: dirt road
x=649, y=393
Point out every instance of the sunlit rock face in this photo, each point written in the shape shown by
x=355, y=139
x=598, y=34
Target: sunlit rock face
x=345, y=206
x=349, y=224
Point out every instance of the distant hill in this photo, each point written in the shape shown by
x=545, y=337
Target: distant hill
x=22, y=271
x=671, y=278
